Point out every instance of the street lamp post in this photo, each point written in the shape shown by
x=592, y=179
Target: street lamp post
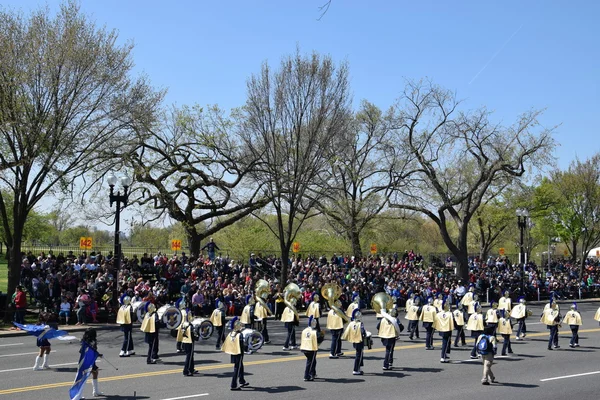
x=121, y=201
x=522, y=215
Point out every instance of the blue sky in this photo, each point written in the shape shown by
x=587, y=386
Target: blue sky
x=203, y=51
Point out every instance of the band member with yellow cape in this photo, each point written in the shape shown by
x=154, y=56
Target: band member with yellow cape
x=505, y=329
x=551, y=318
x=125, y=319
x=150, y=326
x=428, y=317
x=520, y=313
x=476, y=326
x=218, y=319
x=573, y=319
x=234, y=346
x=355, y=333
x=444, y=324
x=309, y=346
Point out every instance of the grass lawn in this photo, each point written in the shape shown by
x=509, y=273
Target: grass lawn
x=3, y=275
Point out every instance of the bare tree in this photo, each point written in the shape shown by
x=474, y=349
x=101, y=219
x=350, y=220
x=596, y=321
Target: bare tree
x=360, y=177
x=194, y=169
x=290, y=120
x=461, y=160
x=65, y=97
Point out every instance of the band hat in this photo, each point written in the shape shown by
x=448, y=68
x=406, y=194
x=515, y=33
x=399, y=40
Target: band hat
x=313, y=296
x=356, y=314
x=248, y=298
x=232, y=322
x=574, y=306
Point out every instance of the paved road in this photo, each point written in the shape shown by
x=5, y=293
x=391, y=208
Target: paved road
x=273, y=373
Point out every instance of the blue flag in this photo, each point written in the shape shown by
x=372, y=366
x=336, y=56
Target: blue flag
x=86, y=361
x=42, y=331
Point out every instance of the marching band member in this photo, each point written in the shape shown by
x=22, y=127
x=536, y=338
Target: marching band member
x=188, y=339
x=181, y=304
x=261, y=313
x=310, y=347
x=217, y=318
x=597, y=316
x=520, y=312
x=491, y=317
x=234, y=346
x=289, y=318
x=355, y=305
x=151, y=326
x=355, y=333
x=410, y=301
x=468, y=299
x=573, y=319
x=505, y=303
x=387, y=333
x=413, y=313
x=428, y=317
x=314, y=309
x=459, y=324
x=551, y=318
x=125, y=319
x=247, y=317
x=475, y=325
x=505, y=329
x=444, y=324
x=335, y=324
x=438, y=302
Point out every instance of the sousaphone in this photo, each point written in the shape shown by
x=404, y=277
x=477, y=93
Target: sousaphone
x=331, y=292
x=381, y=303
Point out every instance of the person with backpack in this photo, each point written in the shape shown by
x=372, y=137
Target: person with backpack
x=486, y=346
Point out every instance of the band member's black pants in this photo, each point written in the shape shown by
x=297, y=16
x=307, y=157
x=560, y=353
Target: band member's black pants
x=460, y=334
x=522, y=329
x=446, y=343
x=553, y=338
x=188, y=367
x=238, y=370
x=389, y=351
x=574, y=334
x=311, y=364
x=152, y=340
x=290, y=340
x=358, y=358
x=506, y=344
x=336, y=342
x=220, y=337
x=429, y=338
x=127, y=338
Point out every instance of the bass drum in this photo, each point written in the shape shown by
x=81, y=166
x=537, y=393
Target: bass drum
x=170, y=316
x=254, y=339
x=203, y=327
x=139, y=309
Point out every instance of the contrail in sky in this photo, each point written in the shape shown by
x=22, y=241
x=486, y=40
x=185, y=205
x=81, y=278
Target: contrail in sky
x=495, y=54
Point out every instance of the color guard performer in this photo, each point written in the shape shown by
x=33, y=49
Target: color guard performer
x=573, y=319
x=314, y=309
x=188, y=339
x=288, y=317
x=444, y=324
x=520, y=313
x=428, y=317
x=551, y=318
x=218, y=319
x=247, y=317
x=125, y=319
x=355, y=333
x=505, y=329
x=309, y=346
x=475, y=325
x=388, y=335
x=181, y=304
x=335, y=324
x=234, y=346
x=459, y=325
x=505, y=303
x=413, y=313
x=151, y=326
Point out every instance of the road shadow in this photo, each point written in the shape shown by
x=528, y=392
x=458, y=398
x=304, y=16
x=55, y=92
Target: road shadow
x=119, y=397
x=284, y=353
x=197, y=362
x=517, y=385
x=273, y=389
x=410, y=369
x=227, y=374
x=65, y=369
x=527, y=356
x=390, y=374
x=338, y=380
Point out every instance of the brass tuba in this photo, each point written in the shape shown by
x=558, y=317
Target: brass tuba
x=331, y=292
x=292, y=291
x=381, y=303
x=261, y=292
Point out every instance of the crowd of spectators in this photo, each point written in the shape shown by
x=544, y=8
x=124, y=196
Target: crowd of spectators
x=82, y=285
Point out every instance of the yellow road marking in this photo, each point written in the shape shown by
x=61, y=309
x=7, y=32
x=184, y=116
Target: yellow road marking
x=228, y=365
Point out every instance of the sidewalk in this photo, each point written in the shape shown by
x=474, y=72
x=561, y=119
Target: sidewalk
x=5, y=332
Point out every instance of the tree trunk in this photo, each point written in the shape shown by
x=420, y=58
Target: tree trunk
x=462, y=267
x=14, y=266
x=354, y=237
x=285, y=259
x=193, y=240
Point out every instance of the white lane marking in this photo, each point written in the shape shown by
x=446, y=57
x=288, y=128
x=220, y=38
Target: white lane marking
x=29, y=368
x=12, y=344
x=569, y=376
x=21, y=354
x=188, y=397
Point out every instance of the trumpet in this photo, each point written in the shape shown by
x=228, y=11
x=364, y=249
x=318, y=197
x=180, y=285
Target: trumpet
x=331, y=292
